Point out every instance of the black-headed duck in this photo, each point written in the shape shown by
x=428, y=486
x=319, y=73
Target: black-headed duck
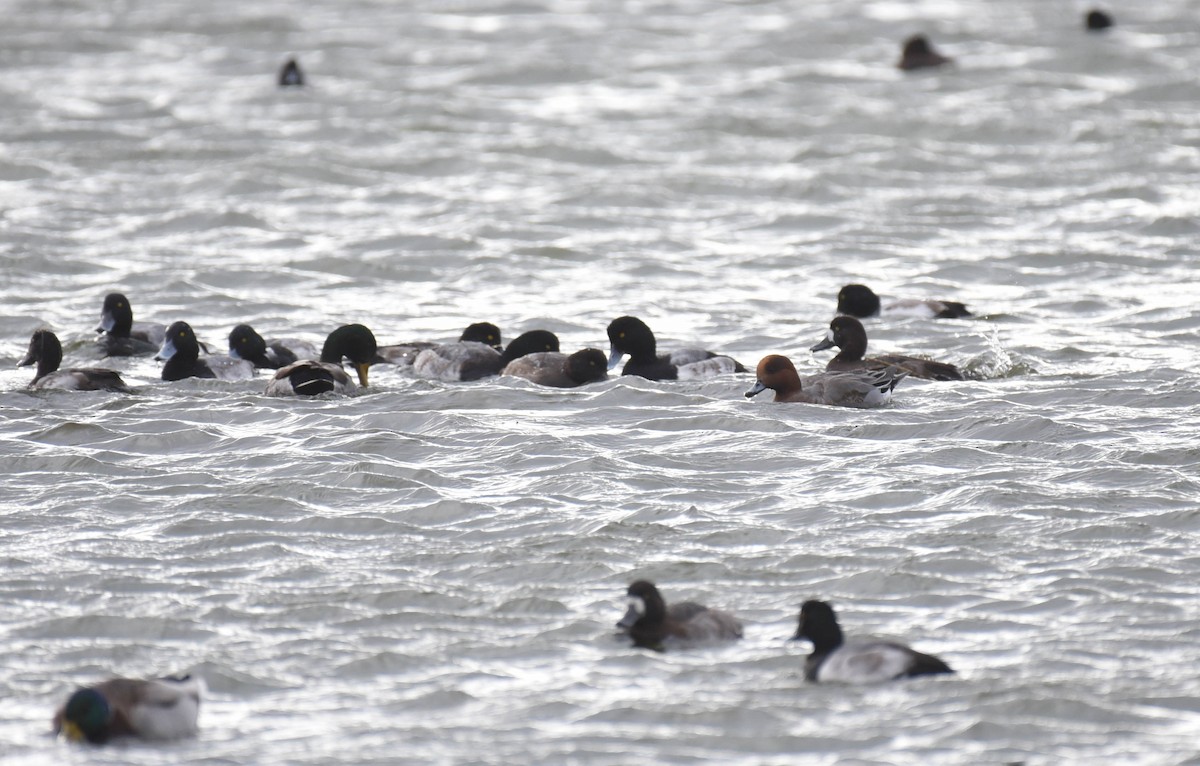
x=1097, y=20
x=835, y=661
x=246, y=343
x=311, y=377
x=121, y=335
x=181, y=352
x=630, y=335
x=650, y=622
x=467, y=360
x=404, y=354
x=290, y=75
x=868, y=388
x=849, y=335
x=45, y=351
x=862, y=302
x=918, y=53
x=558, y=370
x=154, y=709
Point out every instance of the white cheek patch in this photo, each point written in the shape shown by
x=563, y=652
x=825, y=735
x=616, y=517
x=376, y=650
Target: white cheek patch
x=829, y=335
x=637, y=604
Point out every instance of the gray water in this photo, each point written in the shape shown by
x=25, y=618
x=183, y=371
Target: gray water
x=430, y=573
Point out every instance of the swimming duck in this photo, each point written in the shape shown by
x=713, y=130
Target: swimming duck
x=551, y=368
x=833, y=660
x=246, y=343
x=848, y=334
x=463, y=361
x=650, y=622
x=122, y=336
x=630, y=335
x=46, y=352
x=918, y=53
x=290, y=76
x=868, y=388
x=862, y=302
x=1097, y=20
x=310, y=377
x=404, y=354
x=155, y=709
x=181, y=353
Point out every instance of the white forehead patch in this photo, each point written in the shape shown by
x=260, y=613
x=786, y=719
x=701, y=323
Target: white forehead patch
x=637, y=604
x=829, y=334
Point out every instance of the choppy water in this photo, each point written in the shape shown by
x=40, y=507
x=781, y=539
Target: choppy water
x=430, y=573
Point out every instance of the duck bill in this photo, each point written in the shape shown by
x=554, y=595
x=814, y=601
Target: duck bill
x=757, y=389
x=72, y=732
x=166, y=352
x=362, y=369
x=107, y=323
x=614, y=358
x=632, y=615
x=28, y=360
x=826, y=342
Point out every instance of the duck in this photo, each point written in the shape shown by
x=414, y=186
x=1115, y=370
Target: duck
x=1097, y=20
x=290, y=75
x=868, y=388
x=469, y=360
x=650, y=622
x=122, y=336
x=45, y=351
x=918, y=53
x=181, y=352
x=152, y=709
x=246, y=343
x=311, y=377
x=861, y=301
x=404, y=354
x=630, y=335
x=835, y=661
x=849, y=335
x=558, y=370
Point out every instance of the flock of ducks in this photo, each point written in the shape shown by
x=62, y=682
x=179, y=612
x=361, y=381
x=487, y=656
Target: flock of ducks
x=168, y=708
x=850, y=379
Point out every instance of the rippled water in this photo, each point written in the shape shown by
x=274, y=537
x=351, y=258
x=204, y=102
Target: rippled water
x=430, y=573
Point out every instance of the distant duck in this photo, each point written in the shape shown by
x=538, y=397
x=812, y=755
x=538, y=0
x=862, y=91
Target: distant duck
x=157, y=709
x=122, y=336
x=630, y=335
x=245, y=343
x=848, y=334
x=558, y=370
x=290, y=76
x=835, y=661
x=862, y=302
x=466, y=361
x=404, y=354
x=650, y=622
x=311, y=377
x=181, y=352
x=868, y=388
x=46, y=352
x=918, y=53
x=1097, y=20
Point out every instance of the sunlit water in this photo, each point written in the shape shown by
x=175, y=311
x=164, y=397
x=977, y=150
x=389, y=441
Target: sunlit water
x=430, y=573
